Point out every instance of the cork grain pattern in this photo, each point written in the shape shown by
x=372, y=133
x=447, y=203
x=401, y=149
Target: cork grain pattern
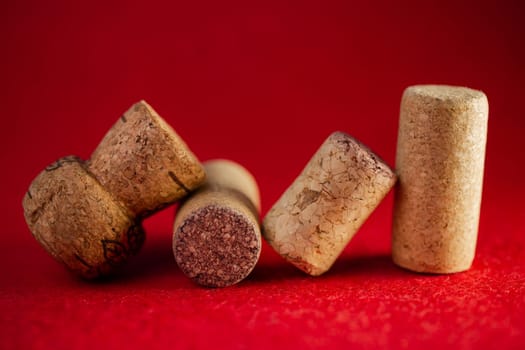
x=144, y=163
x=320, y=212
x=78, y=222
x=440, y=160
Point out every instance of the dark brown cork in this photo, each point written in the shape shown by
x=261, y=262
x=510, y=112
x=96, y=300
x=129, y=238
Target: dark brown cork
x=87, y=215
x=217, y=238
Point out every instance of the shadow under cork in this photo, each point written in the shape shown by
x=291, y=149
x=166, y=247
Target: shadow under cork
x=366, y=265
x=153, y=266
x=347, y=266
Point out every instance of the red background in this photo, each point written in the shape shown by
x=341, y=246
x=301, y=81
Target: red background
x=262, y=83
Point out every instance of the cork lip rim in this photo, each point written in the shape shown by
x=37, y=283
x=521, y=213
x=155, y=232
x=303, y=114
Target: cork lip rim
x=445, y=92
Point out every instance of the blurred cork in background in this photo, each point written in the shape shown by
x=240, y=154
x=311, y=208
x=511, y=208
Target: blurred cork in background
x=217, y=237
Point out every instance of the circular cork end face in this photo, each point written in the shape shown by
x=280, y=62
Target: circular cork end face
x=216, y=246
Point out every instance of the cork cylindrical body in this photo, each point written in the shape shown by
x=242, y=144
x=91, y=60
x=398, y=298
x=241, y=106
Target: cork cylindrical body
x=144, y=163
x=217, y=238
x=320, y=212
x=440, y=160
x=78, y=222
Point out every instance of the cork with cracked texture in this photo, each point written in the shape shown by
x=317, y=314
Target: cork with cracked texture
x=440, y=161
x=320, y=212
x=78, y=222
x=217, y=238
x=88, y=215
x=144, y=163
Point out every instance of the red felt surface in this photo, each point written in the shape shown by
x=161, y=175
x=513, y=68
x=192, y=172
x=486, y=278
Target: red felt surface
x=262, y=83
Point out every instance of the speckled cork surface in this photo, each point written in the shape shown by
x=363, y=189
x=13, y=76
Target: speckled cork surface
x=78, y=222
x=87, y=214
x=440, y=160
x=320, y=212
x=144, y=163
x=217, y=238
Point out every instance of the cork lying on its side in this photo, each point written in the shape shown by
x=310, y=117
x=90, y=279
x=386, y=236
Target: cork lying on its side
x=217, y=239
x=440, y=159
x=87, y=214
x=320, y=212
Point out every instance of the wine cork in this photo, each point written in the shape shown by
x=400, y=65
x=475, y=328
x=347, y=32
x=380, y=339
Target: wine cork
x=217, y=238
x=78, y=222
x=320, y=212
x=440, y=160
x=144, y=163
x=87, y=215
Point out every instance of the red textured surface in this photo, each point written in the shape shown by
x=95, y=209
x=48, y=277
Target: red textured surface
x=261, y=83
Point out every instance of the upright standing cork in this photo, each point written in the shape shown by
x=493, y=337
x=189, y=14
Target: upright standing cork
x=217, y=239
x=440, y=158
x=320, y=212
x=87, y=215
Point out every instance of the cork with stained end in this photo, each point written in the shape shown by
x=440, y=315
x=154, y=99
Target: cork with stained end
x=321, y=211
x=217, y=238
x=440, y=161
x=87, y=215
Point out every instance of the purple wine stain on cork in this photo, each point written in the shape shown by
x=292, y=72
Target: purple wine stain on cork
x=216, y=246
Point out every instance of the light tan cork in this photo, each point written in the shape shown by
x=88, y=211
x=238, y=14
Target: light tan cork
x=87, y=214
x=217, y=238
x=440, y=159
x=320, y=212
x=144, y=163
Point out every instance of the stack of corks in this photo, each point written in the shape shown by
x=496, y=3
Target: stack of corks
x=88, y=214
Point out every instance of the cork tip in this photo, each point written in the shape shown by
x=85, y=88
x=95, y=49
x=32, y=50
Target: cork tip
x=142, y=103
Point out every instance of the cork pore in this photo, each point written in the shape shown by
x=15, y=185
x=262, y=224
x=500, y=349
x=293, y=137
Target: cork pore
x=144, y=163
x=320, y=212
x=78, y=222
x=440, y=161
